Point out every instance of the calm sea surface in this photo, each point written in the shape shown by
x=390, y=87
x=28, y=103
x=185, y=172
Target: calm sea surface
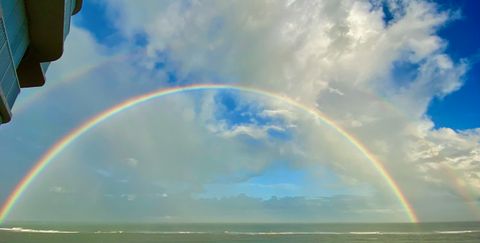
x=425, y=232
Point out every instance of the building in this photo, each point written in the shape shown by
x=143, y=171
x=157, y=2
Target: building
x=32, y=33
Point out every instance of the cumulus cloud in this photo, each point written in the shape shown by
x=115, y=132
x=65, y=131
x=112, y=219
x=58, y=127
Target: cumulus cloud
x=58, y=189
x=341, y=57
x=451, y=159
x=303, y=48
x=132, y=162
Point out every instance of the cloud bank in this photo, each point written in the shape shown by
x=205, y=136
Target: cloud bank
x=373, y=72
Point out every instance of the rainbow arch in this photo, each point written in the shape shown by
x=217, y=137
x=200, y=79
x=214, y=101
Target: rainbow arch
x=94, y=121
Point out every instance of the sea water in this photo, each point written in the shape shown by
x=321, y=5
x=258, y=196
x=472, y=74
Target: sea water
x=256, y=232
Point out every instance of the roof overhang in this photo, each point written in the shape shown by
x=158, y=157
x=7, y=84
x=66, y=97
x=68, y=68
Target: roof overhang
x=46, y=28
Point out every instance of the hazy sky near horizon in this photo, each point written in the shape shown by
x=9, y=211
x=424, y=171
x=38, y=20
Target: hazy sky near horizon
x=401, y=76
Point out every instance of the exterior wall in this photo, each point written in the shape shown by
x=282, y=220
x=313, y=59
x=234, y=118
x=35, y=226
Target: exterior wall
x=9, y=86
x=16, y=25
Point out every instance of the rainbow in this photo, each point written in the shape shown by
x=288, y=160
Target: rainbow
x=464, y=191
x=52, y=85
x=98, y=119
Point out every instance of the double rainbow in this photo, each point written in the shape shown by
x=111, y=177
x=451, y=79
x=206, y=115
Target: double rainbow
x=76, y=133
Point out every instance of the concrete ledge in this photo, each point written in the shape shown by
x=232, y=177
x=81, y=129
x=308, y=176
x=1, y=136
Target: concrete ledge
x=46, y=27
x=29, y=71
x=78, y=6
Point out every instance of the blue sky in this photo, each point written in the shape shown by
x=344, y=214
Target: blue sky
x=412, y=102
x=94, y=18
x=459, y=110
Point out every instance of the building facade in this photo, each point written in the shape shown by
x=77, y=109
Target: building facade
x=32, y=33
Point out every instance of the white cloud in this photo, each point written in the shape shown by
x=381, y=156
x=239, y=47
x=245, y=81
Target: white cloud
x=451, y=160
x=300, y=49
x=104, y=173
x=338, y=56
x=58, y=189
x=132, y=162
x=129, y=197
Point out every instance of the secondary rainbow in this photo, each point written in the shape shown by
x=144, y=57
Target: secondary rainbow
x=52, y=85
x=73, y=135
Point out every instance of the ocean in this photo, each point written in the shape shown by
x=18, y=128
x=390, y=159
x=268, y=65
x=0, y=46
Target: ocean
x=257, y=232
